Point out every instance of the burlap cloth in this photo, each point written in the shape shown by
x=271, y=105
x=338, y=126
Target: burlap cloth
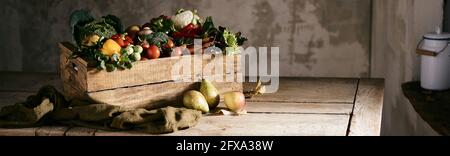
x=49, y=107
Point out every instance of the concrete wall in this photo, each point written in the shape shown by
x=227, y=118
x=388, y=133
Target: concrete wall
x=398, y=26
x=316, y=37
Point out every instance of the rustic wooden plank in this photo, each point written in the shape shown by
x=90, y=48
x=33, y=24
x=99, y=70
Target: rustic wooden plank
x=10, y=98
x=155, y=95
x=18, y=131
x=80, y=131
x=366, y=116
x=154, y=71
x=70, y=92
x=312, y=90
x=269, y=125
x=27, y=82
x=51, y=131
x=73, y=72
x=120, y=133
x=268, y=108
x=299, y=108
x=260, y=125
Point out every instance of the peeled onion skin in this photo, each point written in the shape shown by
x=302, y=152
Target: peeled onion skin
x=235, y=101
x=195, y=100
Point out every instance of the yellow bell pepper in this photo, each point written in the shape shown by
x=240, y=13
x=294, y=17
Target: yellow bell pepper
x=111, y=47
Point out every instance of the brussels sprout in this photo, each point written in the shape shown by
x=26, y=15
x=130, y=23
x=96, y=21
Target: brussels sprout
x=138, y=49
x=135, y=56
x=129, y=49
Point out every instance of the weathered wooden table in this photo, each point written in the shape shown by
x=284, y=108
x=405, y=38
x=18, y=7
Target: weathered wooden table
x=301, y=107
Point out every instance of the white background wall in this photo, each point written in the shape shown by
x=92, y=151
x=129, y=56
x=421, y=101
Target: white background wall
x=316, y=37
x=398, y=26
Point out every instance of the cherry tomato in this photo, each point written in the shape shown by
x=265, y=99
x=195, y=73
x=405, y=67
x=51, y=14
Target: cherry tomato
x=128, y=41
x=169, y=44
x=153, y=52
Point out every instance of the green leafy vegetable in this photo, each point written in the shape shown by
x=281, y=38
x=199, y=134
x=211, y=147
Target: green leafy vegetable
x=157, y=38
x=185, y=17
x=89, y=34
x=162, y=24
x=84, y=26
x=208, y=27
x=115, y=22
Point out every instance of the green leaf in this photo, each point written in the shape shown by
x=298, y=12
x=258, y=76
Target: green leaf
x=161, y=24
x=209, y=24
x=125, y=59
x=110, y=67
x=115, y=58
x=77, y=20
x=115, y=22
x=157, y=38
x=102, y=65
x=123, y=51
x=240, y=39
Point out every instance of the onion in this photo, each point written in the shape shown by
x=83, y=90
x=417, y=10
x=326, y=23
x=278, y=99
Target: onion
x=235, y=101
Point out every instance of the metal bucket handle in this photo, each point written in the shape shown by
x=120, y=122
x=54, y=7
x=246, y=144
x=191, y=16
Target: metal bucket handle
x=437, y=53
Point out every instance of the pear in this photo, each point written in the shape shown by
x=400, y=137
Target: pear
x=195, y=100
x=210, y=93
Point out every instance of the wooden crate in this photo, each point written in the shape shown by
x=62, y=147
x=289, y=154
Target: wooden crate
x=149, y=84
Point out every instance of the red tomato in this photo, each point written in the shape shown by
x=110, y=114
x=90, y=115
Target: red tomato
x=153, y=52
x=169, y=44
x=120, y=42
x=128, y=41
x=189, y=27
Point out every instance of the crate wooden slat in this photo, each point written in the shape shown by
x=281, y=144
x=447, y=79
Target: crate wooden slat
x=159, y=95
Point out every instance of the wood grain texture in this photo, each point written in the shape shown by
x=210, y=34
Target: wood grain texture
x=10, y=98
x=80, y=131
x=312, y=90
x=298, y=108
x=27, y=82
x=120, y=133
x=155, y=95
x=18, y=131
x=51, y=131
x=157, y=71
x=90, y=79
x=276, y=111
x=149, y=83
x=270, y=115
x=73, y=72
x=269, y=125
x=367, y=112
x=260, y=125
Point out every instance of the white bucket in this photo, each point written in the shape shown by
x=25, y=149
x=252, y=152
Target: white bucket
x=435, y=69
